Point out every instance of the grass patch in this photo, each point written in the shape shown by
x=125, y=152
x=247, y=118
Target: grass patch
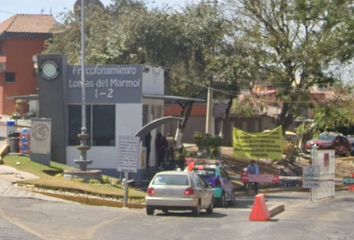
x=51, y=177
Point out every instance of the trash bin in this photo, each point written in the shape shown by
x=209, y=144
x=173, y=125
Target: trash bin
x=14, y=142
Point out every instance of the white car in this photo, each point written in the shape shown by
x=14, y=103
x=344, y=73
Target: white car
x=178, y=190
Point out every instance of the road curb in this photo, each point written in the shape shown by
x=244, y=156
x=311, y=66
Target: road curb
x=276, y=210
x=91, y=200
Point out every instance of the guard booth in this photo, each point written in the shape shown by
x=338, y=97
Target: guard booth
x=116, y=105
x=120, y=100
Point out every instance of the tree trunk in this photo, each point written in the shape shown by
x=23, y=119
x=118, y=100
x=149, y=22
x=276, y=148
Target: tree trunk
x=225, y=120
x=285, y=118
x=185, y=113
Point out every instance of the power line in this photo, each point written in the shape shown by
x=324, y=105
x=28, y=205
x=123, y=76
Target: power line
x=231, y=93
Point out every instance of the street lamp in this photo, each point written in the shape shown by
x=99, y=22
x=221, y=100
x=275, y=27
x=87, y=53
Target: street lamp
x=83, y=136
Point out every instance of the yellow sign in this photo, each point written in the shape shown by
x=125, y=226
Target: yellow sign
x=258, y=146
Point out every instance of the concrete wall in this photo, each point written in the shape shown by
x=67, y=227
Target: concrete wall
x=153, y=81
x=128, y=121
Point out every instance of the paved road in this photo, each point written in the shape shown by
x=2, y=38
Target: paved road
x=23, y=218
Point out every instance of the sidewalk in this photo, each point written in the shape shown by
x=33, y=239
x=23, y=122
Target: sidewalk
x=11, y=175
x=8, y=188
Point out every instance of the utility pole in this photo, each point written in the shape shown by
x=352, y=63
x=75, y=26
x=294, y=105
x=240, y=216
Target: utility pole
x=210, y=121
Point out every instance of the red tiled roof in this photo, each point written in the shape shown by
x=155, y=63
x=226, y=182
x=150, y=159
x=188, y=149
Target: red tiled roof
x=175, y=110
x=28, y=23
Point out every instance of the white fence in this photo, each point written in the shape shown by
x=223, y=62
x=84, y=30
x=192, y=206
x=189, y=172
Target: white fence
x=325, y=161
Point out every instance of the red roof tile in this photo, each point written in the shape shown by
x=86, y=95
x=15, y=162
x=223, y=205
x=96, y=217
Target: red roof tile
x=28, y=23
x=175, y=110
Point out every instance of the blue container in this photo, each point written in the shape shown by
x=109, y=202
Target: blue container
x=11, y=127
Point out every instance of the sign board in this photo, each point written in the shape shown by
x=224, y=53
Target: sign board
x=128, y=153
x=40, y=136
x=263, y=178
x=258, y=146
x=106, y=83
x=326, y=160
x=311, y=176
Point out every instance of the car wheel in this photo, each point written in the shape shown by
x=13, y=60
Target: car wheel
x=165, y=211
x=222, y=200
x=249, y=188
x=210, y=209
x=150, y=211
x=348, y=153
x=232, y=201
x=196, y=210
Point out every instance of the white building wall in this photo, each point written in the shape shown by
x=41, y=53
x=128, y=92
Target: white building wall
x=153, y=81
x=151, y=103
x=128, y=122
x=153, y=84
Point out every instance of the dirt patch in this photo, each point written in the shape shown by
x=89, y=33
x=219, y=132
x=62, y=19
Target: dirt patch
x=344, y=166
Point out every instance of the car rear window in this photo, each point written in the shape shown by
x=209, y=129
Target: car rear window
x=327, y=137
x=179, y=180
x=205, y=172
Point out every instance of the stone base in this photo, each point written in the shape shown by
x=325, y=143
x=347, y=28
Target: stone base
x=85, y=175
x=83, y=164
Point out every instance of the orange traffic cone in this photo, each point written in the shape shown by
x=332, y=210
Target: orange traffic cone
x=259, y=210
x=351, y=187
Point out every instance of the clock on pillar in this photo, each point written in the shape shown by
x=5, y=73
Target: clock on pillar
x=49, y=70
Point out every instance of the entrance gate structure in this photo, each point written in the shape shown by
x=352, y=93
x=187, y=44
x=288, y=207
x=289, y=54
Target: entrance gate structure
x=324, y=160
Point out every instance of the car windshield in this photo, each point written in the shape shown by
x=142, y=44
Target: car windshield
x=327, y=137
x=164, y=179
x=205, y=172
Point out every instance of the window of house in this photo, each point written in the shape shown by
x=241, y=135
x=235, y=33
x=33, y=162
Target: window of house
x=103, y=125
x=100, y=123
x=10, y=77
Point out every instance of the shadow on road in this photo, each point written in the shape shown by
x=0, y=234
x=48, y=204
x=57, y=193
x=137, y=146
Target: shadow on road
x=244, y=203
x=189, y=214
x=287, y=197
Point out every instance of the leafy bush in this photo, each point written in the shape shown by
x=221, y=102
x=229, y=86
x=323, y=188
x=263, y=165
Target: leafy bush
x=208, y=144
x=105, y=179
x=94, y=181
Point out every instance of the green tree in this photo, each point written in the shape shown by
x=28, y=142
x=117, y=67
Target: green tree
x=290, y=43
x=127, y=32
x=337, y=113
x=184, y=43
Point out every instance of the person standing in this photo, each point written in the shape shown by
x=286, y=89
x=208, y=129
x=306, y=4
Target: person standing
x=171, y=149
x=161, y=146
x=253, y=169
x=217, y=170
x=147, y=144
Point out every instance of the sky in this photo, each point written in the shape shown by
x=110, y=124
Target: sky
x=9, y=8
